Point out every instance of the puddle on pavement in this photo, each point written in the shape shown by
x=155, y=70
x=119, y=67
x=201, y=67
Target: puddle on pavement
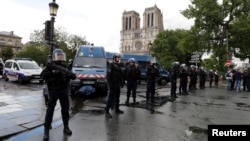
x=242, y=105
x=198, y=130
x=3, y=104
x=220, y=97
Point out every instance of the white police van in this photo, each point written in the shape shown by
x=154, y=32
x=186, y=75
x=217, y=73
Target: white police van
x=22, y=70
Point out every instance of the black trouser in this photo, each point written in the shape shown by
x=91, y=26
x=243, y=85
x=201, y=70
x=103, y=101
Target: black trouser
x=173, y=89
x=184, y=86
x=210, y=82
x=131, y=86
x=150, y=89
x=63, y=97
x=191, y=84
x=113, y=97
x=244, y=84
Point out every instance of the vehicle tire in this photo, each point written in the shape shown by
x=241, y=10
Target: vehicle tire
x=20, y=80
x=5, y=77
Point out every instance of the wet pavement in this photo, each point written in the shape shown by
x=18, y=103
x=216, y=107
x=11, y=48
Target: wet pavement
x=186, y=118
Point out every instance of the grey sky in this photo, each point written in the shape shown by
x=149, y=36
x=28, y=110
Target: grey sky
x=98, y=20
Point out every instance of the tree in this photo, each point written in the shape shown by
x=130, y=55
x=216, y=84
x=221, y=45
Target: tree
x=7, y=53
x=39, y=54
x=169, y=47
x=68, y=42
x=214, y=23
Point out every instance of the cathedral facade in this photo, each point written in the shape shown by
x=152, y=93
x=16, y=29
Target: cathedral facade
x=137, y=40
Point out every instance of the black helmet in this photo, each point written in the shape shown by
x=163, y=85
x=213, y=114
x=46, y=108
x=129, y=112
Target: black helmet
x=58, y=55
x=116, y=55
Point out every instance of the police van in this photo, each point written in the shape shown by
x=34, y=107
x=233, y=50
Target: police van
x=22, y=70
x=90, y=67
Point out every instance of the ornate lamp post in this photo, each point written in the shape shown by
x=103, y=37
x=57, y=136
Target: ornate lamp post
x=53, y=7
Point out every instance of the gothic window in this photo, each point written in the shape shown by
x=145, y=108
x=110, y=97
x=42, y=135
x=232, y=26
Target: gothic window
x=148, y=20
x=138, y=45
x=126, y=24
x=129, y=22
x=125, y=48
x=152, y=19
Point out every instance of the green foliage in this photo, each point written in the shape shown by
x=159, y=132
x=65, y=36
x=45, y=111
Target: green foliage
x=66, y=41
x=169, y=46
x=37, y=53
x=220, y=26
x=7, y=53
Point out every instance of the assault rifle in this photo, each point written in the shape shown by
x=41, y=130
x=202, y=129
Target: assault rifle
x=61, y=69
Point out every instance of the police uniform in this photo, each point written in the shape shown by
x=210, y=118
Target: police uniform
x=131, y=76
x=57, y=84
x=173, y=79
x=115, y=80
x=152, y=72
x=184, y=80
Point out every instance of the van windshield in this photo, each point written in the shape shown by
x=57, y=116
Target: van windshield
x=91, y=52
x=28, y=65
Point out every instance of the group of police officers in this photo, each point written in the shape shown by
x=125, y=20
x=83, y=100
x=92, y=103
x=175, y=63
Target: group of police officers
x=58, y=81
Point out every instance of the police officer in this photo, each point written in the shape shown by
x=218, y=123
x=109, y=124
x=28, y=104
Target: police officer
x=115, y=80
x=70, y=64
x=211, y=77
x=192, y=77
x=173, y=78
x=152, y=73
x=131, y=75
x=202, y=77
x=57, y=83
x=183, y=78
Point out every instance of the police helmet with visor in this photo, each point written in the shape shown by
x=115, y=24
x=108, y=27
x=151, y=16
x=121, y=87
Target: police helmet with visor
x=58, y=55
x=131, y=60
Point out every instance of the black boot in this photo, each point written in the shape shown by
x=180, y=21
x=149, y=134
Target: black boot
x=67, y=130
x=118, y=111
x=108, y=115
x=46, y=134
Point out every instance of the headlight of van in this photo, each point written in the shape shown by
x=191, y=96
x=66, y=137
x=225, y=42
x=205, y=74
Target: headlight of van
x=26, y=73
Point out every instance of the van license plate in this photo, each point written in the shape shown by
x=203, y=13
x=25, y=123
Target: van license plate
x=88, y=82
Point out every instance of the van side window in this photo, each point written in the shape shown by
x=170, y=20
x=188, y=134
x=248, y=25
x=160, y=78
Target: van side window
x=8, y=65
x=16, y=66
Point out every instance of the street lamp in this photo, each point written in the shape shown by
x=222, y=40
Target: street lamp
x=53, y=7
x=149, y=46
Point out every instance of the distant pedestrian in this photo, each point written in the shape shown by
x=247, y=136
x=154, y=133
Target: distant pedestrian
x=216, y=78
x=233, y=79
x=229, y=77
x=237, y=77
x=173, y=79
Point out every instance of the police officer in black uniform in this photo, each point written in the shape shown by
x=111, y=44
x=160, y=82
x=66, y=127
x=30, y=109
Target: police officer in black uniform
x=57, y=83
x=131, y=75
x=115, y=80
x=192, y=77
x=183, y=78
x=152, y=73
x=173, y=78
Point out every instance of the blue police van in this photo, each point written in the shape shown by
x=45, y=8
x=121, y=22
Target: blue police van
x=90, y=67
x=142, y=61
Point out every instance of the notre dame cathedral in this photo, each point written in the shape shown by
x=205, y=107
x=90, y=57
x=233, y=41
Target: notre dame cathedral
x=137, y=40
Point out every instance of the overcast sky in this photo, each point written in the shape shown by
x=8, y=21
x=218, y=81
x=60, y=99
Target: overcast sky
x=98, y=20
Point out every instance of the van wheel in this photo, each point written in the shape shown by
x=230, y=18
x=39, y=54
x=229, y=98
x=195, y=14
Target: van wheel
x=5, y=77
x=163, y=82
x=20, y=80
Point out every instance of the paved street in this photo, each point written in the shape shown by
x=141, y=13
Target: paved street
x=184, y=119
